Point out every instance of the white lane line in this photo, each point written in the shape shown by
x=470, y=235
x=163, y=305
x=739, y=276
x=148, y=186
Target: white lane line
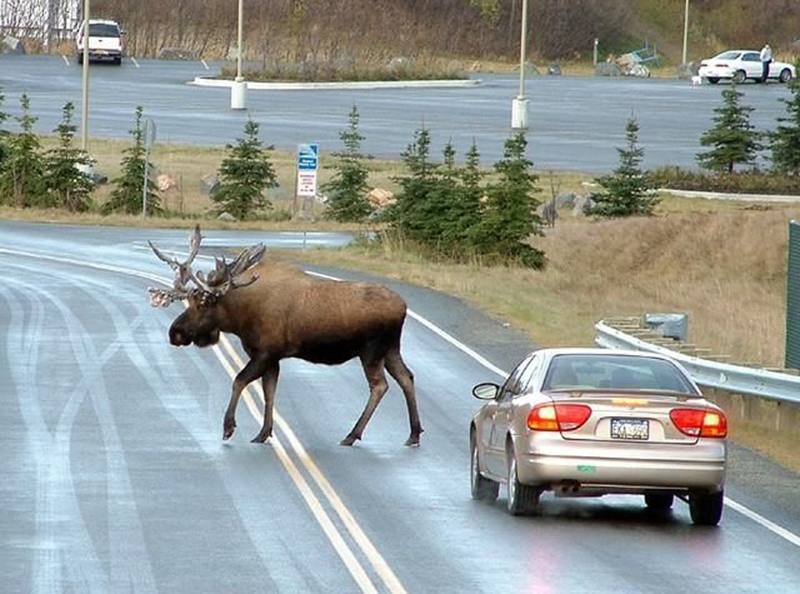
x=377, y=561
x=203, y=62
x=135, y=63
x=66, y=60
x=322, y=517
x=768, y=524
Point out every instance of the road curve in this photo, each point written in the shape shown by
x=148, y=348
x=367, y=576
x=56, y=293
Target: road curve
x=115, y=478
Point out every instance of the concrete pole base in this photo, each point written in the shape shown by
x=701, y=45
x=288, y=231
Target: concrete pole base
x=519, y=114
x=239, y=94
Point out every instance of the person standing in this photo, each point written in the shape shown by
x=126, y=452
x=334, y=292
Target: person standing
x=766, y=60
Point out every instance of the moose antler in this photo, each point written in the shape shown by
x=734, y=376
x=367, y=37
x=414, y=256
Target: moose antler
x=219, y=281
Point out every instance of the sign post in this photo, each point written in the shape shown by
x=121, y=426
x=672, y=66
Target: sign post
x=307, y=170
x=149, y=139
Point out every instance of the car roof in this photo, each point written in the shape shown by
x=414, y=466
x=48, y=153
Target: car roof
x=552, y=352
x=103, y=22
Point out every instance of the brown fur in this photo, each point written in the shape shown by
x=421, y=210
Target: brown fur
x=287, y=313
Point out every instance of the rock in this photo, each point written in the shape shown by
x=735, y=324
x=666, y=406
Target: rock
x=566, y=200
x=209, y=183
x=607, y=69
x=12, y=45
x=89, y=171
x=638, y=71
x=554, y=70
x=380, y=198
x=400, y=62
x=687, y=71
x=226, y=216
x=583, y=206
x=165, y=182
x=176, y=53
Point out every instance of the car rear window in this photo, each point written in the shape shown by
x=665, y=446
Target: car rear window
x=103, y=30
x=615, y=372
x=728, y=56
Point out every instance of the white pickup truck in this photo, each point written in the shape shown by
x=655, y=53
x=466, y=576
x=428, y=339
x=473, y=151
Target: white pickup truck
x=105, y=41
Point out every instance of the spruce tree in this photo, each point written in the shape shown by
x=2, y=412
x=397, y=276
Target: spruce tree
x=347, y=191
x=734, y=139
x=68, y=185
x=4, y=136
x=785, y=140
x=245, y=174
x=628, y=188
x=127, y=195
x=22, y=179
x=509, y=217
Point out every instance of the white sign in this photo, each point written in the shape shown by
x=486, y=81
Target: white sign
x=307, y=168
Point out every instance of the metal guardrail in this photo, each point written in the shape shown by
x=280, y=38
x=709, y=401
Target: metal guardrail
x=723, y=376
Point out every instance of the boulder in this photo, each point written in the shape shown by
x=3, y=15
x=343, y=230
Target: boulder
x=228, y=217
x=13, y=46
x=607, y=69
x=380, y=198
x=565, y=200
x=688, y=70
x=165, y=182
x=554, y=70
x=400, y=62
x=176, y=53
x=583, y=206
x=209, y=183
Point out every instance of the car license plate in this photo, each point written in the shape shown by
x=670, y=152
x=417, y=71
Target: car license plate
x=638, y=429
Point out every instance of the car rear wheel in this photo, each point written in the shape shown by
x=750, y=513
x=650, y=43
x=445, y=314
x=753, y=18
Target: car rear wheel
x=483, y=489
x=522, y=499
x=713, y=80
x=706, y=508
x=739, y=77
x=659, y=502
x=786, y=75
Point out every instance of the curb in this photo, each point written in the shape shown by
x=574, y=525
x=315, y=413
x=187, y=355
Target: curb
x=202, y=81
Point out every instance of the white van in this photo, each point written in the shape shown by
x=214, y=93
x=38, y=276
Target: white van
x=105, y=41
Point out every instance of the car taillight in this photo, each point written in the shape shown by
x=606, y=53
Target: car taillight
x=700, y=423
x=558, y=417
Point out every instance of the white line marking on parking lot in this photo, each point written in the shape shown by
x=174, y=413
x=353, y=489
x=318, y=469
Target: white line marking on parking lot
x=135, y=63
x=66, y=60
x=203, y=62
x=776, y=529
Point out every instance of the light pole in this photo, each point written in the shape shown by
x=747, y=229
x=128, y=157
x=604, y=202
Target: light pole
x=519, y=106
x=85, y=84
x=685, y=31
x=239, y=88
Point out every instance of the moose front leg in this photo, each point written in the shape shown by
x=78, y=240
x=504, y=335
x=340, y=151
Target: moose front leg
x=253, y=370
x=269, y=382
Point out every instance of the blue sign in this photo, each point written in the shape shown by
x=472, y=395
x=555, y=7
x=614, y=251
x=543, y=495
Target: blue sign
x=308, y=157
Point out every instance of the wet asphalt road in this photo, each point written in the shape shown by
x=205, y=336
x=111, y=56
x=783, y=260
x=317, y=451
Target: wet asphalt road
x=576, y=122
x=115, y=478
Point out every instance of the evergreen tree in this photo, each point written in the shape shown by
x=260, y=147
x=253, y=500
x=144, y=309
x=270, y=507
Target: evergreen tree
x=4, y=136
x=348, y=189
x=410, y=211
x=468, y=208
x=627, y=189
x=69, y=186
x=734, y=139
x=509, y=216
x=127, y=195
x=785, y=141
x=245, y=174
x=22, y=179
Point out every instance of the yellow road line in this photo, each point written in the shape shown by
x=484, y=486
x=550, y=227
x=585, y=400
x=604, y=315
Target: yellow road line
x=377, y=561
x=341, y=547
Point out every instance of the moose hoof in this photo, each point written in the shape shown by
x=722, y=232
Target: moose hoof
x=261, y=437
x=413, y=441
x=228, y=429
x=349, y=440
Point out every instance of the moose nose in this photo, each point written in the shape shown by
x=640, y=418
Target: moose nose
x=176, y=338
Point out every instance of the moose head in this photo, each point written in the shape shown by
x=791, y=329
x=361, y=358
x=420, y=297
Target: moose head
x=200, y=323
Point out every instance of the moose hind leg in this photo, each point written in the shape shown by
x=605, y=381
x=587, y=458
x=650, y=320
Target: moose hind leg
x=405, y=378
x=269, y=382
x=378, y=386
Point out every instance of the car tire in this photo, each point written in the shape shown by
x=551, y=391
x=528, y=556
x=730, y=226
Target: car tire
x=785, y=76
x=739, y=77
x=659, y=502
x=706, y=508
x=79, y=58
x=713, y=80
x=118, y=61
x=483, y=489
x=522, y=499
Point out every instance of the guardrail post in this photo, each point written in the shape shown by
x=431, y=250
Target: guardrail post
x=793, y=298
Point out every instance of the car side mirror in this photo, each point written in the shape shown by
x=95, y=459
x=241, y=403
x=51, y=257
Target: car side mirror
x=486, y=391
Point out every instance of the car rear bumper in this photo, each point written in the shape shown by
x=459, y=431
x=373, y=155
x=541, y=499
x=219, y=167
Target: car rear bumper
x=711, y=72
x=621, y=474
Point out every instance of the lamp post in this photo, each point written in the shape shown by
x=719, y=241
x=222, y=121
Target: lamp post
x=519, y=106
x=85, y=83
x=685, y=31
x=239, y=88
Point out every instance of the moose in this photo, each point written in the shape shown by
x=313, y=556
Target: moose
x=279, y=312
